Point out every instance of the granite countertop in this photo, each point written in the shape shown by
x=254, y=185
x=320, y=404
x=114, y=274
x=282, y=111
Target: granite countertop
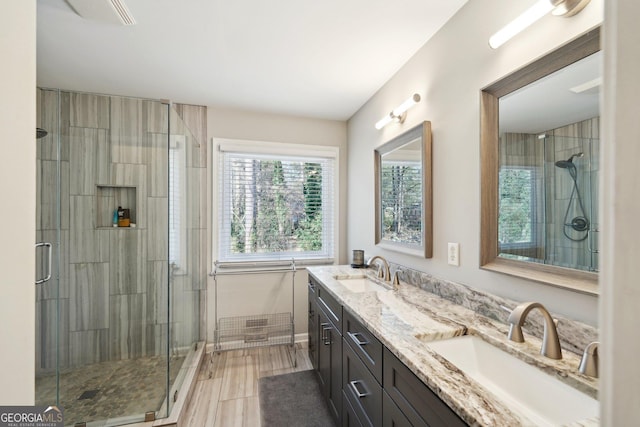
x=404, y=319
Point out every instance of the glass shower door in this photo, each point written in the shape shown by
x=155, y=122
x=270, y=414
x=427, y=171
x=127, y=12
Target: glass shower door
x=48, y=246
x=102, y=320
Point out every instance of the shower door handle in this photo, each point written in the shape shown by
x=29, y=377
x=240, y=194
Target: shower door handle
x=47, y=246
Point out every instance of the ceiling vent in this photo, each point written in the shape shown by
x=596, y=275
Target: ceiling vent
x=109, y=11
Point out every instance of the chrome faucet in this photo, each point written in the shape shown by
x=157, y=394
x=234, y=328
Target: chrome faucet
x=550, y=342
x=384, y=273
x=590, y=360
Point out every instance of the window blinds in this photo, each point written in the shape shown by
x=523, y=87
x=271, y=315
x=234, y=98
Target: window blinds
x=276, y=206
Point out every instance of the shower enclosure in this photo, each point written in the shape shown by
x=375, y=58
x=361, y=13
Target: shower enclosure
x=121, y=311
x=548, y=209
x=571, y=202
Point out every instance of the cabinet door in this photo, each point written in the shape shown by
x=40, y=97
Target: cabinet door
x=330, y=364
x=335, y=395
x=323, y=350
x=313, y=329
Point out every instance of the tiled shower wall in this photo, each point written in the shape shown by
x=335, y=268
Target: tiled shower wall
x=554, y=186
x=113, y=289
x=568, y=140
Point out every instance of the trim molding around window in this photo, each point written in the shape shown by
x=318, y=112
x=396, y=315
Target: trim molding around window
x=275, y=201
x=517, y=215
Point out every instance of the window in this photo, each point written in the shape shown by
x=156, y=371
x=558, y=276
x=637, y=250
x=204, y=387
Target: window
x=516, y=221
x=274, y=205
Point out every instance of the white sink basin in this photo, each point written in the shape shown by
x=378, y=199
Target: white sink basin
x=526, y=390
x=359, y=284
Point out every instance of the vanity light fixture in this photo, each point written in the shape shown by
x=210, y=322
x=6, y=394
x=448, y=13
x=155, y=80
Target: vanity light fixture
x=399, y=113
x=565, y=8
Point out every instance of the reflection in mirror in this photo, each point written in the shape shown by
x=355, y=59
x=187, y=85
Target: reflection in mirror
x=403, y=192
x=539, y=145
x=548, y=169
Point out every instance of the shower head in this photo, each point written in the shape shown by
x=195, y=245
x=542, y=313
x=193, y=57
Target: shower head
x=41, y=133
x=566, y=164
x=580, y=154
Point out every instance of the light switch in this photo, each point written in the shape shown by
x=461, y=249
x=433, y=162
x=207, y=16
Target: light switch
x=453, y=254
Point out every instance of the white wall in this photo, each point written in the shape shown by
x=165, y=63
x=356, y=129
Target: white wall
x=18, y=192
x=620, y=208
x=256, y=294
x=448, y=72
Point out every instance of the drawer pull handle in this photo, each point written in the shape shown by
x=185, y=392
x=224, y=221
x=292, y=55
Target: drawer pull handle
x=326, y=337
x=354, y=386
x=355, y=336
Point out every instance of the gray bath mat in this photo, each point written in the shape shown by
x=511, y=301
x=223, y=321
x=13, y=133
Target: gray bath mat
x=293, y=400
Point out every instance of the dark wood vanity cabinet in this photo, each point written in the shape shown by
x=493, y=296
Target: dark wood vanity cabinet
x=328, y=331
x=364, y=384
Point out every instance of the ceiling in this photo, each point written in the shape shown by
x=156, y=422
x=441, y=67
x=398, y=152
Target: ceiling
x=549, y=103
x=313, y=59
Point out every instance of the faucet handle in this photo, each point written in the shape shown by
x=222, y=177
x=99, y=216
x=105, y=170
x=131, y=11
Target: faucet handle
x=590, y=359
x=396, y=278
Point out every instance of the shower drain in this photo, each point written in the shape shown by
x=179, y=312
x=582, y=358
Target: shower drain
x=88, y=394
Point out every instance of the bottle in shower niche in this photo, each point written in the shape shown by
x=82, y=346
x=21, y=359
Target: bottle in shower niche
x=123, y=217
x=115, y=217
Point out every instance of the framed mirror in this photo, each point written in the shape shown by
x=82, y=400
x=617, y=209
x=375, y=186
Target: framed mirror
x=403, y=190
x=539, y=168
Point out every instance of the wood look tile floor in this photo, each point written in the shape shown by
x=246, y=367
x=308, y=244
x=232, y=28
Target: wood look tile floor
x=226, y=393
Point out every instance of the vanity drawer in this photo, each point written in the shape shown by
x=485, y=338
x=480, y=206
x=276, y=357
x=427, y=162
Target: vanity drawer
x=392, y=416
x=416, y=401
x=364, y=344
x=361, y=388
x=328, y=304
x=349, y=416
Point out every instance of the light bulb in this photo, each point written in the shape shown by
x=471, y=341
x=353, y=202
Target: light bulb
x=531, y=15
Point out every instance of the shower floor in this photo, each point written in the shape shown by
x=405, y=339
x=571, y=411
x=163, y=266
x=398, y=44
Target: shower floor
x=108, y=390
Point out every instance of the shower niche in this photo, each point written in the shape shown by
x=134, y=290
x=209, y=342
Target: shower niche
x=109, y=199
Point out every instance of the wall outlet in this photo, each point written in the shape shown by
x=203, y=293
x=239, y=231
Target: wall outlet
x=453, y=254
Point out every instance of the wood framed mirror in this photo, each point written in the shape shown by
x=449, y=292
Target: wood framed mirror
x=403, y=193
x=549, y=206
